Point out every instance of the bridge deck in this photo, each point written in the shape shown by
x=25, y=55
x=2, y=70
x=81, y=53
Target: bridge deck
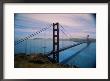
x=62, y=49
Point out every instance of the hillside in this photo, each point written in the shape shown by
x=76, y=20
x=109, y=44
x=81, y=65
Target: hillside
x=35, y=61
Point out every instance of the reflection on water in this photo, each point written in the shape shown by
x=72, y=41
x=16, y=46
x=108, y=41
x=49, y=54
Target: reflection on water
x=81, y=56
x=84, y=58
x=73, y=55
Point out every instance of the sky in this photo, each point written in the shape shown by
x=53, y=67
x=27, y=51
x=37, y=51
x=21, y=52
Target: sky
x=74, y=25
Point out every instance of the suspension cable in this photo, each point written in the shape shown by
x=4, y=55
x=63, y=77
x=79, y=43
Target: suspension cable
x=66, y=34
x=31, y=35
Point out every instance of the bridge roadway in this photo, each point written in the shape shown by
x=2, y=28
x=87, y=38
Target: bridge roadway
x=62, y=49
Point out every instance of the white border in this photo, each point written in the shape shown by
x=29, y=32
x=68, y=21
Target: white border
x=101, y=72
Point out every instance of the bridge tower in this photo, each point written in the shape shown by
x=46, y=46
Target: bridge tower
x=87, y=37
x=88, y=41
x=56, y=41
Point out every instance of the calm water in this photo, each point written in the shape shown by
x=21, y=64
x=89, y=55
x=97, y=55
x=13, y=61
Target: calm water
x=81, y=56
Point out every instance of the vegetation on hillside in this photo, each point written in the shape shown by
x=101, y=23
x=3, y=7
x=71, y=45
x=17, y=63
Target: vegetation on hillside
x=35, y=61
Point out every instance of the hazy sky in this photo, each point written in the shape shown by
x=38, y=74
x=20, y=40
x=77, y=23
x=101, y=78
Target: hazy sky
x=75, y=25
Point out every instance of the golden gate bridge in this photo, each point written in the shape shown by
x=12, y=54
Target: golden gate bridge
x=56, y=50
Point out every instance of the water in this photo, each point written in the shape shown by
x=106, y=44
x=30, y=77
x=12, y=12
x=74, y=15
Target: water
x=82, y=56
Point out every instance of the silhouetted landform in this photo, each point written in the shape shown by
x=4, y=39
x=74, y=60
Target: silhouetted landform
x=82, y=40
x=37, y=38
x=72, y=39
x=36, y=61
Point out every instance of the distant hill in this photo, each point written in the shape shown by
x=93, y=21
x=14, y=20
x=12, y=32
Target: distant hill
x=72, y=39
x=82, y=40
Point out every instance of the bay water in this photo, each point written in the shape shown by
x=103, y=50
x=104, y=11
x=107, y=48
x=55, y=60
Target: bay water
x=82, y=56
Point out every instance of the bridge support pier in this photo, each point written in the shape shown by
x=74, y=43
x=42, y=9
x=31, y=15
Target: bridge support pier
x=56, y=42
